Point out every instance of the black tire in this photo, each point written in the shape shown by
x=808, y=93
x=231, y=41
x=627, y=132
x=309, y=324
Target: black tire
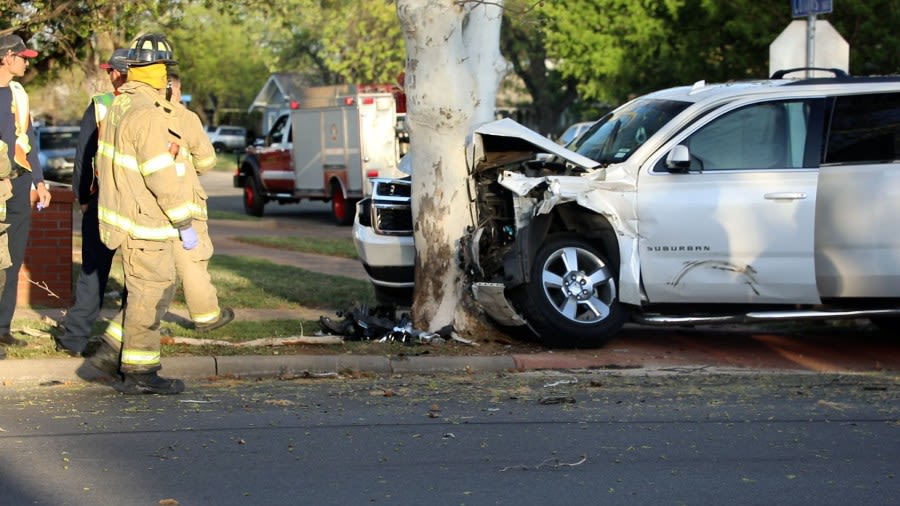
x=342, y=209
x=254, y=201
x=889, y=325
x=562, y=316
x=219, y=147
x=391, y=296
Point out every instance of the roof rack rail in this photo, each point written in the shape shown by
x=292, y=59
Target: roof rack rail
x=779, y=74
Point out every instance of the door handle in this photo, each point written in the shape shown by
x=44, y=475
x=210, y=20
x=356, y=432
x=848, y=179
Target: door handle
x=785, y=196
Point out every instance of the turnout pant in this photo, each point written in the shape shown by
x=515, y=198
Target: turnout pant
x=149, y=268
x=192, y=267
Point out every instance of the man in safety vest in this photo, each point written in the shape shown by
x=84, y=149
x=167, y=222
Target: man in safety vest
x=25, y=171
x=142, y=212
x=96, y=258
x=5, y=194
x=197, y=156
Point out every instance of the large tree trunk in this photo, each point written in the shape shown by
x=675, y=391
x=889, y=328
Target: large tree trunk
x=453, y=70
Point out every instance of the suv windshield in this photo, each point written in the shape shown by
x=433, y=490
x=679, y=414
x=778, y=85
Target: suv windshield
x=618, y=134
x=63, y=139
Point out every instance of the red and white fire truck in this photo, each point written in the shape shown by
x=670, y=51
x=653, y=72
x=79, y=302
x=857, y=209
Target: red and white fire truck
x=326, y=147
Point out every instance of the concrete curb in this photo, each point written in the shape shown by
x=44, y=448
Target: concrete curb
x=297, y=365
x=65, y=370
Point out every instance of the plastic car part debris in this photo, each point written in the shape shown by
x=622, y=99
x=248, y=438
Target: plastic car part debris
x=380, y=324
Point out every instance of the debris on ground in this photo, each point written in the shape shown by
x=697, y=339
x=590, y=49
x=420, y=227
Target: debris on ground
x=383, y=324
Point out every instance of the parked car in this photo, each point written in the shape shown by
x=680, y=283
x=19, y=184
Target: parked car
x=574, y=131
x=227, y=138
x=56, y=151
x=770, y=200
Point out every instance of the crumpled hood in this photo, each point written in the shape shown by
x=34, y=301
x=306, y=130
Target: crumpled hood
x=506, y=141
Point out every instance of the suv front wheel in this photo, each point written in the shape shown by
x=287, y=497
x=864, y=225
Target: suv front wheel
x=572, y=299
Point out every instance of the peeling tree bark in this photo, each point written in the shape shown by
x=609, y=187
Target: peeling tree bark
x=453, y=71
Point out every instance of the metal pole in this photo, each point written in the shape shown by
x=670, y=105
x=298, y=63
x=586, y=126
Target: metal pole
x=810, y=43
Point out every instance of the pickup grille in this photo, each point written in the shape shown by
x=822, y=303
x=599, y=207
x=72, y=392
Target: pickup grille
x=391, y=211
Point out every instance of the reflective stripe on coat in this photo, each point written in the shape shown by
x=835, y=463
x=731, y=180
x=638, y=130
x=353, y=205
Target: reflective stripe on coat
x=140, y=195
x=195, y=156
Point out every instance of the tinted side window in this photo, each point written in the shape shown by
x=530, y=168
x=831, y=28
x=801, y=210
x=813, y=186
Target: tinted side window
x=864, y=128
x=277, y=131
x=758, y=136
x=58, y=140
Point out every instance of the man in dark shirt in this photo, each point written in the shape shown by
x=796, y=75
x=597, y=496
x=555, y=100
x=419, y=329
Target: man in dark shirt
x=16, y=130
x=96, y=258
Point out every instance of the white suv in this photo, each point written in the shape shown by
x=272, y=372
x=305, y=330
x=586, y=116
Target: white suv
x=738, y=202
x=227, y=138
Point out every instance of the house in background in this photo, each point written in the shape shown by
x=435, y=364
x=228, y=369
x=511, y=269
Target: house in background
x=282, y=88
x=276, y=95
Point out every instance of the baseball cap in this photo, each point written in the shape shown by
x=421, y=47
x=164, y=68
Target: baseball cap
x=117, y=61
x=14, y=43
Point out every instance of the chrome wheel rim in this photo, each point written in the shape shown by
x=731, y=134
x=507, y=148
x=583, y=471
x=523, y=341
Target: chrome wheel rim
x=578, y=285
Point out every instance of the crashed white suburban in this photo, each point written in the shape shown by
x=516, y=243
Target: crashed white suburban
x=739, y=202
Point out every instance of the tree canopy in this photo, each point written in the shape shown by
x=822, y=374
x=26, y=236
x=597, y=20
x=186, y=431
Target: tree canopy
x=619, y=48
x=222, y=59
x=565, y=53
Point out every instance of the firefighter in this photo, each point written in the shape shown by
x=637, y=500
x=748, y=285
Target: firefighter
x=144, y=214
x=96, y=258
x=196, y=156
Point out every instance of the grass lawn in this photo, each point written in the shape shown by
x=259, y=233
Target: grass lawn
x=241, y=282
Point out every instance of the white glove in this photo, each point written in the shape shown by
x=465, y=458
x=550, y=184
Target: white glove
x=189, y=238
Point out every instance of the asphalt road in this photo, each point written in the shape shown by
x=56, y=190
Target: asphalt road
x=673, y=434
x=580, y=437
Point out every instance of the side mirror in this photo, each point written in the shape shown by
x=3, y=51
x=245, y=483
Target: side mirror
x=679, y=159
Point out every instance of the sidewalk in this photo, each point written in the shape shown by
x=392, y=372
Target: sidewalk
x=223, y=233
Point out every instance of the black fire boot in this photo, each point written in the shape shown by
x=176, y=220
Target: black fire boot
x=91, y=347
x=225, y=317
x=149, y=383
x=65, y=347
x=105, y=358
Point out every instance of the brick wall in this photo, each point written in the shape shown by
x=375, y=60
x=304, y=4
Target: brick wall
x=48, y=259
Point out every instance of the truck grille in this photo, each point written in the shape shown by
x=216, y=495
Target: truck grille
x=391, y=211
x=393, y=219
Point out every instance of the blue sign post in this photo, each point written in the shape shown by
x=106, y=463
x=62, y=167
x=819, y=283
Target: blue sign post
x=804, y=8
x=809, y=9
